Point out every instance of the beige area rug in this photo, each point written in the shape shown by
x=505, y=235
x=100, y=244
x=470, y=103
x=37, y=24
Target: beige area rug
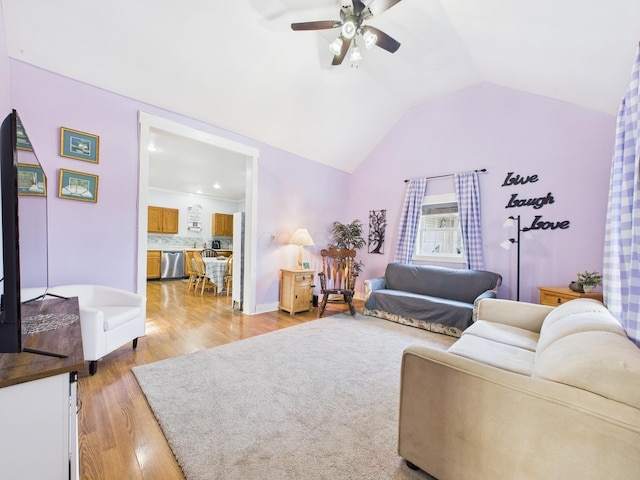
x=314, y=401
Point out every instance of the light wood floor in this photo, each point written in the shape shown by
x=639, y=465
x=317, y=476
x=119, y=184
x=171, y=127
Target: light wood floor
x=119, y=436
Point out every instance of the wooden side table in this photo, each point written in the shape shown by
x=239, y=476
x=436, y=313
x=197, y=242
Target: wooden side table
x=296, y=290
x=554, y=296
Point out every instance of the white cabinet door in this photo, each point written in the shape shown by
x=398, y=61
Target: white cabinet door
x=35, y=420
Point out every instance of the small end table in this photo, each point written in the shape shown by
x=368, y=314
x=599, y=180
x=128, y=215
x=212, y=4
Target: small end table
x=554, y=296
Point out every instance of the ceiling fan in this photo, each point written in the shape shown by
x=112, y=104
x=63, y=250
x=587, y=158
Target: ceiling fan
x=351, y=24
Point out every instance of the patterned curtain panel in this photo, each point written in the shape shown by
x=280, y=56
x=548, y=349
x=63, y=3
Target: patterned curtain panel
x=410, y=220
x=621, y=283
x=468, y=192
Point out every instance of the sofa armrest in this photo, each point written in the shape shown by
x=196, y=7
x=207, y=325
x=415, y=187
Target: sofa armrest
x=373, y=284
x=517, y=314
x=93, y=338
x=486, y=294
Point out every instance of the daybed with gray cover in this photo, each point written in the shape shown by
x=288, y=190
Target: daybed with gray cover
x=433, y=298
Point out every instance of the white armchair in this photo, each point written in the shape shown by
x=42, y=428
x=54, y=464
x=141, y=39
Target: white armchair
x=109, y=317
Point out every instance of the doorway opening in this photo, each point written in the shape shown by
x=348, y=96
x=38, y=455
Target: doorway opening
x=149, y=123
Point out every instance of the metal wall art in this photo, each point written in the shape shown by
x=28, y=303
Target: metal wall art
x=377, y=227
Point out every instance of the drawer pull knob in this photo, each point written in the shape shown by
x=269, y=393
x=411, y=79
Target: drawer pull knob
x=559, y=300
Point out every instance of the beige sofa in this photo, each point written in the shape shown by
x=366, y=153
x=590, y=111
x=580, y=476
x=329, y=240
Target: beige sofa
x=527, y=392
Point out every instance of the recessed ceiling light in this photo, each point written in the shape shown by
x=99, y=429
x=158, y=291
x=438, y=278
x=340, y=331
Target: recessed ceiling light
x=216, y=185
x=153, y=148
x=199, y=192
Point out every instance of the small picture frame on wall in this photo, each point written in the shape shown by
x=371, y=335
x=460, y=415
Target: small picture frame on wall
x=78, y=186
x=31, y=180
x=306, y=265
x=79, y=145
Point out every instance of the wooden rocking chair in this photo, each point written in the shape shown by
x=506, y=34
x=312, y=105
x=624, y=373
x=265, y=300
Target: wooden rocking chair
x=337, y=276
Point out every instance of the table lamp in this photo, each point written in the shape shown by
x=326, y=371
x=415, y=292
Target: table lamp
x=301, y=238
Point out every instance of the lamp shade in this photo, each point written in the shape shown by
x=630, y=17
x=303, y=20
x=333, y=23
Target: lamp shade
x=301, y=237
x=507, y=244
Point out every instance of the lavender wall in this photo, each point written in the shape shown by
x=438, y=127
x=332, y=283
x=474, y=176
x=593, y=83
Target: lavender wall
x=569, y=148
x=96, y=243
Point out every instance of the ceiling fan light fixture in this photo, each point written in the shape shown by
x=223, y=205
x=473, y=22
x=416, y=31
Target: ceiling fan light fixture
x=349, y=28
x=336, y=46
x=355, y=54
x=370, y=39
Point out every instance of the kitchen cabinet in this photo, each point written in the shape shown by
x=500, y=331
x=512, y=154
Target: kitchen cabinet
x=163, y=220
x=296, y=290
x=153, y=264
x=222, y=224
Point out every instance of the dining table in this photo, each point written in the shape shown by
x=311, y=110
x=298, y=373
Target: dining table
x=216, y=267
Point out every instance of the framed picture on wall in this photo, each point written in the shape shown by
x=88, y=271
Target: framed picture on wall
x=306, y=265
x=31, y=180
x=79, y=145
x=78, y=186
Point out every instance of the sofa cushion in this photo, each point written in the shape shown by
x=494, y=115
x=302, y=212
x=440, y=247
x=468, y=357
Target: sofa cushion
x=422, y=307
x=604, y=363
x=456, y=284
x=116, y=316
x=507, y=334
x=579, y=305
x=496, y=354
x=588, y=321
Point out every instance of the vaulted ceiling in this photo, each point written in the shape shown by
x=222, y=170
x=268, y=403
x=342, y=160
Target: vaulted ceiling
x=239, y=66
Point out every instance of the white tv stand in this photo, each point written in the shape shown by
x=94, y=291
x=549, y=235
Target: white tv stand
x=39, y=401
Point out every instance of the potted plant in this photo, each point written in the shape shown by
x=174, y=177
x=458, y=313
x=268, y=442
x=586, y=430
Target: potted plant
x=589, y=281
x=349, y=236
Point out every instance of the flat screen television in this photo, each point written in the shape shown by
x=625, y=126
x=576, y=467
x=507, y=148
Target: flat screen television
x=24, y=231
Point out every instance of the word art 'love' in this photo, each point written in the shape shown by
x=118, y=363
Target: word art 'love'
x=538, y=224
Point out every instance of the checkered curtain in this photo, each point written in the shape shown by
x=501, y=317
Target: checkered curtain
x=468, y=192
x=621, y=281
x=410, y=220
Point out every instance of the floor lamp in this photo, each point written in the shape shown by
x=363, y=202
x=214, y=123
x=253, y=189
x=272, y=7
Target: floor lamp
x=510, y=222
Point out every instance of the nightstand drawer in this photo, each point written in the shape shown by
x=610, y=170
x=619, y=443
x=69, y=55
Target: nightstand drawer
x=303, y=278
x=553, y=300
x=554, y=296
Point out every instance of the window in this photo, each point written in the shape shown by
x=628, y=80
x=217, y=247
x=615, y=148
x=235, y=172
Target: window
x=439, y=237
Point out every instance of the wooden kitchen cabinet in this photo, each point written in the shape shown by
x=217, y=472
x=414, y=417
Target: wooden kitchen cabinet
x=222, y=224
x=554, y=296
x=163, y=220
x=296, y=287
x=153, y=264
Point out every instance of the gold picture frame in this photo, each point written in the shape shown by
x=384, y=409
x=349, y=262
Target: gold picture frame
x=79, y=145
x=78, y=186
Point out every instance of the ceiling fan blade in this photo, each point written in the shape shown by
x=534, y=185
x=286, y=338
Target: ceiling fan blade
x=337, y=59
x=358, y=6
x=376, y=7
x=319, y=25
x=384, y=41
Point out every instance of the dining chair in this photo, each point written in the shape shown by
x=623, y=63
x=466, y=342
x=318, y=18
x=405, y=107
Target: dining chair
x=192, y=271
x=338, y=276
x=228, y=274
x=202, y=280
x=208, y=252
